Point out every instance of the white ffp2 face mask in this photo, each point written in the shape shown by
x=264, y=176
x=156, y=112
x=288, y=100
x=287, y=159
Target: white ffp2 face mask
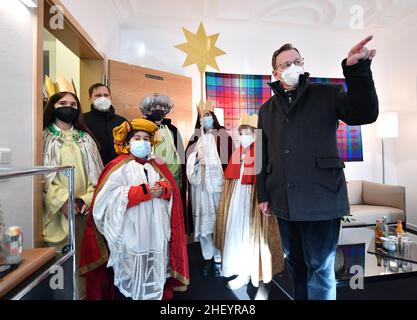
x=102, y=104
x=246, y=140
x=292, y=74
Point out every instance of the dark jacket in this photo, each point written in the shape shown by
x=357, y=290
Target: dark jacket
x=301, y=171
x=101, y=125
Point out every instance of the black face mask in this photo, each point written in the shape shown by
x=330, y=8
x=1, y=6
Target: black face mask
x=66, y=114
x=156, y=115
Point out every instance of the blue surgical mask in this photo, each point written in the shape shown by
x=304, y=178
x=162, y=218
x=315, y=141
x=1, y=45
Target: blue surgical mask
x=208, y=122
x=140, y=149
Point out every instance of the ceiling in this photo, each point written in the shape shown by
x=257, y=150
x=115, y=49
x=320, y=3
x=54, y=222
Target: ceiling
x=336, y=14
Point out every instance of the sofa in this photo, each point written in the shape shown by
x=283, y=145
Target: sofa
x=370, y=201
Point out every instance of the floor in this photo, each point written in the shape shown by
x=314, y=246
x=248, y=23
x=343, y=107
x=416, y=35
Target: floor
x=211, y=288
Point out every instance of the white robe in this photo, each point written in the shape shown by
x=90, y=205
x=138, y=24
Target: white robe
x=138, y=237
x=237, y=251
x=206, y=185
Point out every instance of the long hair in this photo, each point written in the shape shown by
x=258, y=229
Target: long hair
x=216, y=123
x=197, y=132
x=48, y=115
x=78, y=123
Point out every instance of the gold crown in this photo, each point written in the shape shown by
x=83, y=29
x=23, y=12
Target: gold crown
x=61, y=85
x=247, y=120
x=208, y=106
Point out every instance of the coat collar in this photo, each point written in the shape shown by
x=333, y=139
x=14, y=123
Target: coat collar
x=108, y=113
x=277, y=88
x=280, y=92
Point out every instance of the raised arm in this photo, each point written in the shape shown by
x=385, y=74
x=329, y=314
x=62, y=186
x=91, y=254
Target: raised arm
x=359, y=105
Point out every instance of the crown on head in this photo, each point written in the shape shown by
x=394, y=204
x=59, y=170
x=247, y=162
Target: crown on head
x=247, y=120
x=61, y=85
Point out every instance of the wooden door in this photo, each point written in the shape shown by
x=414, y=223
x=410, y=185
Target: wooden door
x=130, y=83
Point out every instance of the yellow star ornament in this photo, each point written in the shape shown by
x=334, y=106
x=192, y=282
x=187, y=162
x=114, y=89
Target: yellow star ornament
x=201, y=49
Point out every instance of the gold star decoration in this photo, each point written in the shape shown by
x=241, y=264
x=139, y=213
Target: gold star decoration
x=200, y=49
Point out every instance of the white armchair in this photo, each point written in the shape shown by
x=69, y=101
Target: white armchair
x=369, y=201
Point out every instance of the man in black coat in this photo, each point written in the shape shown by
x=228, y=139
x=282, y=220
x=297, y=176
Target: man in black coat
x=301, y=179
x=102, y=119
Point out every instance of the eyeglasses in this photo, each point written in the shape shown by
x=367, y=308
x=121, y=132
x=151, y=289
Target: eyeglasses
x=285, y=65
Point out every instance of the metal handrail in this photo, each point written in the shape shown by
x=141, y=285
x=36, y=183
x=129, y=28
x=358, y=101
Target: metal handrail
x=7, y=173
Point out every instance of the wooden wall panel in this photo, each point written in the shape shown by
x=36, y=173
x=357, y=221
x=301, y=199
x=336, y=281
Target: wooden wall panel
x=130, y=83
x=38, y=123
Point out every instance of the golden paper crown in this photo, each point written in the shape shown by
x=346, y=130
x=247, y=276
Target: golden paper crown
x=208, y=106
x=61, y=85
x=247, y=120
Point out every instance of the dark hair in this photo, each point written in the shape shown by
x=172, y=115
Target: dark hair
x=216, y=123
x=95, y=86
x=285, y=47
x=197, y=133
x=48, y=115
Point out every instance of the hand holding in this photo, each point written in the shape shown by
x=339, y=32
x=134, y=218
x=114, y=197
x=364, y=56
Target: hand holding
x=156, y=191
x=265, y=208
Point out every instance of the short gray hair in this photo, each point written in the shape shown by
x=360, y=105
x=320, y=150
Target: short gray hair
x=155, y=99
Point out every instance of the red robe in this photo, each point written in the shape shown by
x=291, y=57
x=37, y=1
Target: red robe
x=249, y=171
x=94, y=252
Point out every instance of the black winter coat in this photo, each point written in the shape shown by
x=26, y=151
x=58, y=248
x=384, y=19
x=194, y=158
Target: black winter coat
x=301, y=172
x=101, y=125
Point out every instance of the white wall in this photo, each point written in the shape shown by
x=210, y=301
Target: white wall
x=400, y=94
x=98, y=18
x=16, y=110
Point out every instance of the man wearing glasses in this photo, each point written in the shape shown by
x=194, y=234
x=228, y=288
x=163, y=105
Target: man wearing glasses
x=301, y=180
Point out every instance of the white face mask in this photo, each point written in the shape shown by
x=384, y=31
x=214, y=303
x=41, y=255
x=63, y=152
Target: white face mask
x=102, y=104
x=246, y=140
x=292, y=74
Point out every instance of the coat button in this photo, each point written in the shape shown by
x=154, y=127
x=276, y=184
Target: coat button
x=287, y=151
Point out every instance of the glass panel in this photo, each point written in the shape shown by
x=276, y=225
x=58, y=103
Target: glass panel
x=35, y=231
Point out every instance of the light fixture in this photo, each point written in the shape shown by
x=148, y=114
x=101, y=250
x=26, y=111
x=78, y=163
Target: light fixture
x=30, y=3
x=387, y=127
x=141, y=49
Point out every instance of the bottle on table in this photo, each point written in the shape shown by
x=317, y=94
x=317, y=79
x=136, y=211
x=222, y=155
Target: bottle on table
x=399, y=229
x=378, y=231
x=401, y=235
x=385, y=228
